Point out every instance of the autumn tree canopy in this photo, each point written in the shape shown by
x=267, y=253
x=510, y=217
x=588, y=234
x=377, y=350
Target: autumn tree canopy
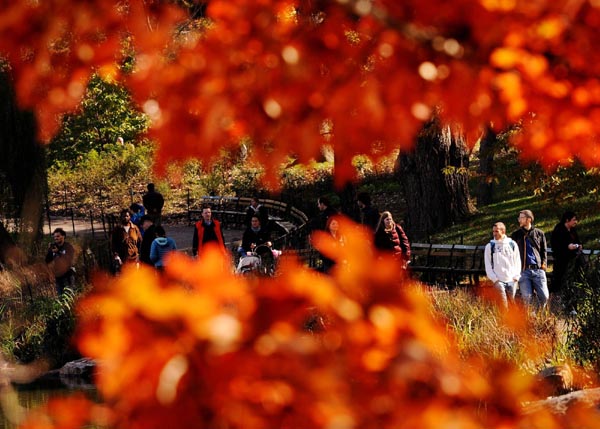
x=199, y=347
x=364, y=74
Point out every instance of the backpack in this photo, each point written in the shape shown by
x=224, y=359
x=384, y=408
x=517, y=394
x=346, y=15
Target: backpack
x=493, y=246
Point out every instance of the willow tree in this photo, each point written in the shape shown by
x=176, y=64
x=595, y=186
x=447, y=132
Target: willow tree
x=434, y=176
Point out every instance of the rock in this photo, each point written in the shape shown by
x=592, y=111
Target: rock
x=555, y=380
x=587, y=398
x=81, y=368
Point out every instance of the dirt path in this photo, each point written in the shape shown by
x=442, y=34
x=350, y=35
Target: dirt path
x=181, y=233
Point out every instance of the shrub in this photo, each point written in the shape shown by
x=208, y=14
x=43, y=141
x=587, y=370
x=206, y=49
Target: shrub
x=582, y=306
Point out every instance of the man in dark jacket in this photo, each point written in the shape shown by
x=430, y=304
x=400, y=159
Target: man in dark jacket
x=257, y=209
x=153, y=202
x=532, y=247
x=319, y=222
x=565, y=247
x=369, y=215
x=254, y=236
x=149, y=234
x=61, y=257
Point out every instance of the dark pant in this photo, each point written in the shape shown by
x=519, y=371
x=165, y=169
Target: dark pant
x=65, y=281
x=559, y=270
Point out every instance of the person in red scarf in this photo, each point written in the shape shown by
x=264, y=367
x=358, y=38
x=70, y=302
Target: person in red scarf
x=390, y=237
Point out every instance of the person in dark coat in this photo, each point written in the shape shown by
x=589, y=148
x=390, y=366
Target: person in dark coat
x=390, y=237
x=369, y=215
x=61, y=258
x=154, y=202
x=534, y=258
x=257, y=209
x=149, y=234
x=319, y=222
x=254, y=236
x=566, y=245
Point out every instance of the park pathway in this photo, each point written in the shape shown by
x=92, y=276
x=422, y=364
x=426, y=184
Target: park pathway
x=181, y=233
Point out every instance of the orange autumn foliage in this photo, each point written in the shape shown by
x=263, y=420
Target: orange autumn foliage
x=275, y=70
x=201, y=347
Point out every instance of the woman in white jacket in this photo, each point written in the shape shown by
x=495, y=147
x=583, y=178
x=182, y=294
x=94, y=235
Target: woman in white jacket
x=503, y=263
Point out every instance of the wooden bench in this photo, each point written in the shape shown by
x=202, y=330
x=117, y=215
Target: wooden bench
x=452, y=264
x=447, y=264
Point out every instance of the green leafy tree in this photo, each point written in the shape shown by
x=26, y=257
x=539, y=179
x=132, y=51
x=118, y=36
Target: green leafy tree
x=105, y=113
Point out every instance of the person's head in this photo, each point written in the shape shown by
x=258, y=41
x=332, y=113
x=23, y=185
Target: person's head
x=125, y=216
x=150, y=187
x=386, y=221
x=255, y=222
x=569, y=219
x=323, y=203
x=59, y=235
x=363, y=200
x=134, y=208
x=206, y=214
x=160, y=231
x=146, y=222
x=525, y=218
x=333, y=225
x=499, y=231
x=254, y=202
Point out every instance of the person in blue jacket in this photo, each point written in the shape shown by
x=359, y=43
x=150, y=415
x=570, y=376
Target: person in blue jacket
x=160, y=247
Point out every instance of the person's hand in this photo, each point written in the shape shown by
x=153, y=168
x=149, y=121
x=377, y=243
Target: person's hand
x=269, y=244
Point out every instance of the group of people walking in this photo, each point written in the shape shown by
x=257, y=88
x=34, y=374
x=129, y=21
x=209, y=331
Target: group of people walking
x=388, y=236
x=518, y=261
x=521, y=260
x=141, y=239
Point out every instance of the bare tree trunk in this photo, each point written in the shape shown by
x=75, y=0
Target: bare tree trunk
x=435, y=181
x=22, y=162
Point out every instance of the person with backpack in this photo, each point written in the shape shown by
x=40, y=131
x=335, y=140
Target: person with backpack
x=503, y=263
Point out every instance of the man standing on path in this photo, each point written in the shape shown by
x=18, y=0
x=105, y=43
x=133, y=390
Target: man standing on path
x=532, y=247
x=153, y=202
x=503, y=263
x=565, y=247
x=208, y=230
x=61, y=255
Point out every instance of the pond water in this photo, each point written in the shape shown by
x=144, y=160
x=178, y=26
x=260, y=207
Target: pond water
x=31, y=397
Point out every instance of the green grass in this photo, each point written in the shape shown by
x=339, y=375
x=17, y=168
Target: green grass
x=478, y=228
